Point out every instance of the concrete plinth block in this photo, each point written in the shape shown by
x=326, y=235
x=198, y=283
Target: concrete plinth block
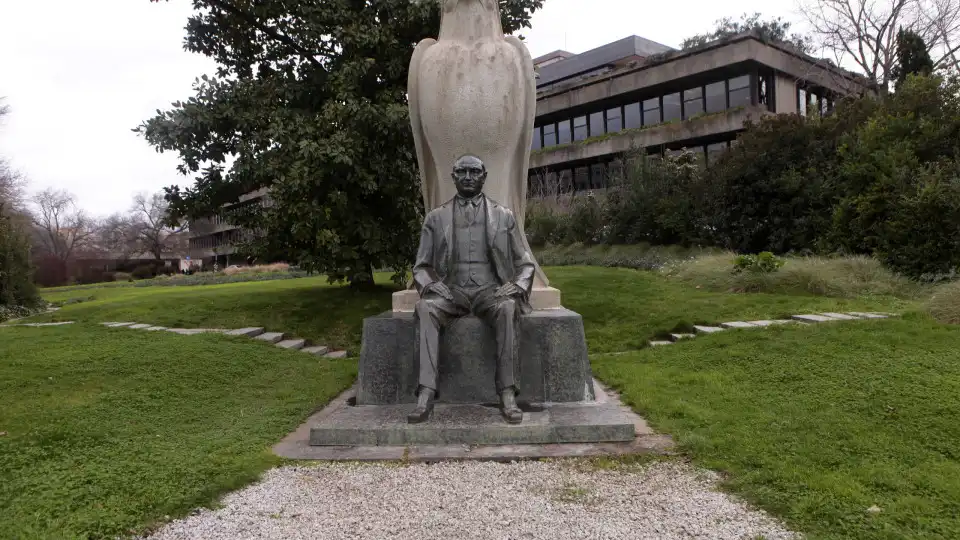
x=840, y=316
x=294, y=344
x=318, y=350
x=140, y=326
x=553, y=363
x=270, y=337
x=738, y=324
x=248, y=332
x=708, y=329
x=678, y=337
x=813, y=318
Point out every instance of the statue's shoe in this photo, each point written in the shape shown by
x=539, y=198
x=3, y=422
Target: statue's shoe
x=420, y=414
x=513, y=415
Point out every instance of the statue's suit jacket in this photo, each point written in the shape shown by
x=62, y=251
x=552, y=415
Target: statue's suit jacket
x=511, y=261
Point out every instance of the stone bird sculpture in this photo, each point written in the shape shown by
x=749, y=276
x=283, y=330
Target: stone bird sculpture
x=473, y=91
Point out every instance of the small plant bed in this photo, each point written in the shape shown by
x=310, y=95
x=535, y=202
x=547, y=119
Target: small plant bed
x=106, y=432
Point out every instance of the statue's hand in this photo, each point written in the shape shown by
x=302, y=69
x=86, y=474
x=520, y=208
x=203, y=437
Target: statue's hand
x=439, y=288
x=508, y=290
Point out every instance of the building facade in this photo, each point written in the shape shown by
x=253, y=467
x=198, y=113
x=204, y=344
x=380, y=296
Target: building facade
x=214, y=240
x=635, y=94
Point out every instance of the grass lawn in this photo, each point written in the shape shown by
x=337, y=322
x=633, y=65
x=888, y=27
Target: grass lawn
x=110, y=430
x=817, y=424
x=622, y=309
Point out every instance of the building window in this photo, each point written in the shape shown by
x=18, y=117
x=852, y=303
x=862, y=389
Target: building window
x=580, y=130
x=563, y=132
x=582, y=178
x=614, y=120
x=549, y=135
x=565, y=181
x=671, y=107
x=692, y=102
x=739, y=91
x=537, y=142
x=598, y=178
x=631, y=116
x=716, y=97
x=651, y=112
x=596, y=124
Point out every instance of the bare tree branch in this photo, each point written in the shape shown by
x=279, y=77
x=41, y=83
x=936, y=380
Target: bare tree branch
x=150, y=219
x=63, y=228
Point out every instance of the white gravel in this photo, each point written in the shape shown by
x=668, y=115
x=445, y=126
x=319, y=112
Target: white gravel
x=471, y=500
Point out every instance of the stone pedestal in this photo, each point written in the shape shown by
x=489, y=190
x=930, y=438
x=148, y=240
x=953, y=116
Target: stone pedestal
x=554, y=367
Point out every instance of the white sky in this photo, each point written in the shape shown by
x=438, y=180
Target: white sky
x=80, y=74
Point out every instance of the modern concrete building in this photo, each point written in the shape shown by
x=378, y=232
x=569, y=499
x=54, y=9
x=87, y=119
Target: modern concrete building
x=637, y=94
x=214, y=240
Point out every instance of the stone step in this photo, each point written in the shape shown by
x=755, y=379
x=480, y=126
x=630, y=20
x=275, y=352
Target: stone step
x=140, y=326
x=248, y=332
x=738, y=324
x=869, y=315
x=660, y=343
x=813, y=318
x=840, y=316
x=271, y=337
x=294, y=344
x=155, y=328
x=318, y=350
x=336, y=354
x=119, y=324
x=186, y=331
x=708, y=329
x=677, y=337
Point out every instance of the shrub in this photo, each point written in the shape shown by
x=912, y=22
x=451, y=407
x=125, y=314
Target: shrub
x=586, y=221
x=16, y=284
x=144, y=271
x=258, y=269
x=763, y=263
x=122, y=276
x=637, y=256
x=944, y=304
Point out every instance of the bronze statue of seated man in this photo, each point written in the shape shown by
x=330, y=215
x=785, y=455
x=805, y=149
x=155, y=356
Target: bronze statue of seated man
x=471, y=260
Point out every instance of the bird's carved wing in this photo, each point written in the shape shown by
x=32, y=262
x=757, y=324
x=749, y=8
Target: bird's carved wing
x=428, y=170
x=522, y=156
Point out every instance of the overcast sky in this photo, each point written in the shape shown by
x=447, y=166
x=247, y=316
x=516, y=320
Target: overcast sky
x=80, y=74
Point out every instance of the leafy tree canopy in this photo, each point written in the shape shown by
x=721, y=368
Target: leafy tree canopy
x=773, y=30
x=913, y=58
x=309, y=100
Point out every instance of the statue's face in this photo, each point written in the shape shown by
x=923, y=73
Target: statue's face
x=469, y=174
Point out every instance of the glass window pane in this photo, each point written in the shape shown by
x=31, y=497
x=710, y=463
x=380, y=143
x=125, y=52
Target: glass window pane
x=742, y=81
x=714, y=150
x=580, y=128
x=537, y=133
x=565, y=181
x=631, y=116
x=614, y=122
x=563, y=132
x=651, y=112
x=549, y=135
x=716, y=97
x=740, y=97
x=596, y=124
x=581, y=178
x=671, y=107
x=598, y=177
x=692, y=102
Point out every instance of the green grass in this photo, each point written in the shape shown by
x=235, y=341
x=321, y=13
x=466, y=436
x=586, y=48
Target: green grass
x=110, y=430
x=817, y=424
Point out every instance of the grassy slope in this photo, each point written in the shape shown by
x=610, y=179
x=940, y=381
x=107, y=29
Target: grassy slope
x=622, y=308
x=109, y=429
x=817, y=424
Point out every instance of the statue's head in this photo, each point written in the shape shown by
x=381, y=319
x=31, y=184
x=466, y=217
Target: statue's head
x=469, y=175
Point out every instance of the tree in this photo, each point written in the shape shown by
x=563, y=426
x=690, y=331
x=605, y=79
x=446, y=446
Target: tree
x=774, y=30
x=62, y=228
x=309, y=100
x=912, y=57
x=117, y=235
x=864, y=32
x=12, y=183
x=150, y=224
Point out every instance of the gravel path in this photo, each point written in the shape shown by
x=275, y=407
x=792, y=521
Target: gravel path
x=471, y=500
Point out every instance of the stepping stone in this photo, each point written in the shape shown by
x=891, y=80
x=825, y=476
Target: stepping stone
x=318, y=350
x=813, y=318
x=248, y=332
x=140, y=326
x=660, y=343
x=869, y=315
x=708, y=329
x=761, y=323
x=738, y=324
x=118, y=324
x=336, y=354
x=38, y=325
x=677, y=337
x=185, y=331
x=840, y=316
x=155, y=328
x=271, y=337
x=295, y=344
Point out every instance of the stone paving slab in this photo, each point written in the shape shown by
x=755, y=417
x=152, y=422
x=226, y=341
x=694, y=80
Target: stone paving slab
x=814, y=318
x=140, y=326
x=294, y=344
x=270, y=337
x=155, y=328
x=318, y=350
x=869, y=315
x=247, y=332
x=679, y=337
x=185, y=331
x=737, y=324
x=840, y=316
x=660, y=343
x=708, y=329
x=336, y=354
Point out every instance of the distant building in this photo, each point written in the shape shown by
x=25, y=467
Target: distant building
x=637, y=94
x=214, y=239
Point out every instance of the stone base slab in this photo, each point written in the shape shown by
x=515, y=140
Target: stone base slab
x=553, y=362
x=540, y=298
